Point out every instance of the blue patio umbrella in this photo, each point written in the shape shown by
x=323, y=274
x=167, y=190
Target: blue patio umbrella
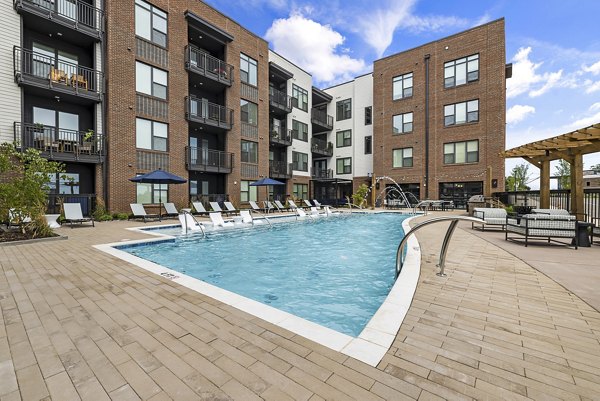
x=159, y=177
x=264, y=182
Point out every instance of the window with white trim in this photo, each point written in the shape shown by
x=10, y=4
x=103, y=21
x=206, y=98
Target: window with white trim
x=151, y=135
x=402, y=86
x=402, y=157
x=402, y=123
x=150, y=23
x=150, y=80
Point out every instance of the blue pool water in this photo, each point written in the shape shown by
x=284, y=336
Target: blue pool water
x=333, y=271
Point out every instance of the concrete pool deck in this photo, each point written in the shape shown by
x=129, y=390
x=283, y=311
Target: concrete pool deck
x=77, y=323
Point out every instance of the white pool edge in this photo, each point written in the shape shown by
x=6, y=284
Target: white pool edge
x=369, y=347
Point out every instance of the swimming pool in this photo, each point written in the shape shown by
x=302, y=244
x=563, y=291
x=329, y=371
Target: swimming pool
x=332, y=271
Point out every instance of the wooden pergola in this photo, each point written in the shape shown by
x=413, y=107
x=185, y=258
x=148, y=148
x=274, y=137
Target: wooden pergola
x=570, y=147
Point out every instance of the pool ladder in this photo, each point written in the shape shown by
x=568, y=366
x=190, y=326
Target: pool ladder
x=263, y=216
x=442, y=261
x=185, y=212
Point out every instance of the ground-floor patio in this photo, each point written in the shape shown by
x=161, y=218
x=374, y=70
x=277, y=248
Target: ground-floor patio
x=77, y=323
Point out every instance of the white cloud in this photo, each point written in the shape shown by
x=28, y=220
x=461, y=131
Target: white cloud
x=518, y=113
x=591, y=87
x=314, y=47
x=526, y=79
x=595, y=106
x=594, y=68
x=585, y=121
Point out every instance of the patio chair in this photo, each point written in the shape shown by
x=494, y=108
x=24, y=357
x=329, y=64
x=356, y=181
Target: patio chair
x=269, y=206
x=73, y=214
x=199, y=208
x=138, y=211
x=280, y=207
x=317, y=204
x=307, y=203
x=246, y=217
x=292, y=205
x=217, y=220
x=170, y=209
x=215, y=207
x=230, y=208
x=315, y=212
x=255, y=207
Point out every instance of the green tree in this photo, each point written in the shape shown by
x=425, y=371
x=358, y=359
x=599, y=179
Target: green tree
x=360, y=197
x=24, y=188
x=563, y=172
x=596, y=168
x=518, y=178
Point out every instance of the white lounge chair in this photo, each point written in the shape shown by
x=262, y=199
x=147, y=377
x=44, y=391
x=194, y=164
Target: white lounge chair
x=301, y=213
x=280, y=207
x=292, y=205
x=246, y=216
x=217, y=220
x=255, y=207
x=188, y=219
x=170, y=209
x=140, y=213
x=215, y=207
x=269, y=206
x=230, y=208
x=317, y=204
x=315, y=212
x=307, y=203
x=199, y=208
x=73, y=214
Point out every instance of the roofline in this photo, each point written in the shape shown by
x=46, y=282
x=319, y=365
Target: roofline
x=439, y=40
x=347, y=82
x=323, y=94
x=300, y=68
x=233, y=20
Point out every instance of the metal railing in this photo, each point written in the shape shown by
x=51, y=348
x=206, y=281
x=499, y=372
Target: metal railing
x=203, y=111
x=280, y=99
x=321, y=173
x=321, y=117
x=321, y=147
x=279, y=169
x=55, y=140
x=39, y=69
x=281, y=136
x=188, y=213
x=442, y=261
x=262, y=215
x=205, y=64
x=208, y=159
x=75, y=13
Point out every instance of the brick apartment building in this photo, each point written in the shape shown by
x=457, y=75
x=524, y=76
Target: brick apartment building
x=439, y=115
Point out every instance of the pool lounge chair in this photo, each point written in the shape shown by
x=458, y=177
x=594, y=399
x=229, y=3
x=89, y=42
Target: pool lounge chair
x=170, y=210
x=73, y=214
x=246, y=217
x=315, y=212
x=199, y=208
x=138, y=211
x=280, y=207
x=307, y=203
x=230, y=208
x=217, y=220
x=255, y=207
x=292, y=204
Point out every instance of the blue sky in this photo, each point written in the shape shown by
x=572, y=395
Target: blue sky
x=554, y=47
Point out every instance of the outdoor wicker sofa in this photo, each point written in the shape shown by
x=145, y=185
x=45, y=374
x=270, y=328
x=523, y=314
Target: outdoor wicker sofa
x=542, y=226
x=493, y=216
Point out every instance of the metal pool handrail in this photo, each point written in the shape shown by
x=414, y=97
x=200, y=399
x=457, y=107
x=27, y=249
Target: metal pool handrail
x=197, y=222
x=442, y=262
x=260, y=214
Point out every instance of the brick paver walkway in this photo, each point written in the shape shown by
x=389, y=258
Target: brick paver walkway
x=76, y=323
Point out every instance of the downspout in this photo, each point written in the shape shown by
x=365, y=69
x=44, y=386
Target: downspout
x=426, y=59
x=104, y=108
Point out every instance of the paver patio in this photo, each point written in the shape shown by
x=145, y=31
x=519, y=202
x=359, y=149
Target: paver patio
x=77, y=323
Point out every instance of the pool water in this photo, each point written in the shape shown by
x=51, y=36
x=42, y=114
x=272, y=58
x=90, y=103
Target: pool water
x=333, y=271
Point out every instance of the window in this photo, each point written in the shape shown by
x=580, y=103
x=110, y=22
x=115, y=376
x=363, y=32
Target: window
x=461, y=71
x=248, y=70
x=402, y=157
x=150, y=23
x=152, y=193
x=301, y=96
x=300, y=191
x=248, y=192
x=461, y=113
x=368, y=145
x=249, y=152
x=344, y=166
x=151, y=135
x=300, y=131
x=461, y=152
x=299, y=161
x=249, y=112
x=369, y=115
x=343, y=138
x=403, y=123
x=150, y=80
x=198, y=187
x=402, y=86
x=343, y=110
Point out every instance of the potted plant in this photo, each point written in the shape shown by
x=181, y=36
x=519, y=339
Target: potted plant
x=88, y=140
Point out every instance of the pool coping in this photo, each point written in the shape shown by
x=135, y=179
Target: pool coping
x=369, y=347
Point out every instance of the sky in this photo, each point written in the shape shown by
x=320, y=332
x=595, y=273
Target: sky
x=554, y=47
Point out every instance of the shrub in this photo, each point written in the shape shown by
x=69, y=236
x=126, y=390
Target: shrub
x=120, y=216
x=360, y=197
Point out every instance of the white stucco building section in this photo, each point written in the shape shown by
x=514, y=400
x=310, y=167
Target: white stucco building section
x=10, y=93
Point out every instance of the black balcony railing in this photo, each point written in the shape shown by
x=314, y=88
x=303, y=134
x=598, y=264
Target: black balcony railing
x=279, y=169
x=321, y=173
x=40, y=70
x=281, y=137
x=280, y=100
x=209, y=160
x=60, y=144
x=75, y=14
x=202, y=63
x=205, y=112
x=321, y=118
x=321, y=147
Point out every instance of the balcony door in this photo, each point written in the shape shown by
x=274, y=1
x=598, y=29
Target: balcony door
x=68, y=126
x=57, y=65
x=320, y=167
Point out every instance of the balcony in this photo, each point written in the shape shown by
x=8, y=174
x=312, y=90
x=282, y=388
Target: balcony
x=202, y=63
x=278, y=169
x=321, y=121
x=208, y=160
x=321, y=147
x=74, y=14
x=60, y=144
x=280, y=137
x=206, y=113
x=279, y=101
x=321, y=173
x=40, y=71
